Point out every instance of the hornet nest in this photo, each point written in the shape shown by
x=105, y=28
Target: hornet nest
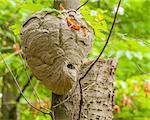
x=54, y=44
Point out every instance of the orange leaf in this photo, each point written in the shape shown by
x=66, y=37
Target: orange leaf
x=16, y=47
x=136, y=87
x=124, y=100
x=116, y=109
x=129, y=102
x=35, y=111
x=147, y=89
x=73, y=23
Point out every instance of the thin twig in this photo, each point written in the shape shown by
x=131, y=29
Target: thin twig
x=62, y=102
x=17, y=84
x=91, y=85
x=82, y=5
x=13, y=54
x=24, y=88
x=107, y=40
x=35, y=92
x=27, y=74
x=68, y=96
x=138, y=66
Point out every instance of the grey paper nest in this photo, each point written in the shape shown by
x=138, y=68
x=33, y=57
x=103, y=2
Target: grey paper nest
x=53, y=49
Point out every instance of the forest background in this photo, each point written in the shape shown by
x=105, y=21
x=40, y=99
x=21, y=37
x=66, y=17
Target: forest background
x=129, y=43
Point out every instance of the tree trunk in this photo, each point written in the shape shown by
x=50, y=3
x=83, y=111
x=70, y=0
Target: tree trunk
x=97, y=87
x=98, y=93
x=67, y=4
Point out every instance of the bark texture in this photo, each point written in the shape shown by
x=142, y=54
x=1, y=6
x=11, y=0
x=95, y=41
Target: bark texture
x=98, y=93
x=53, y=50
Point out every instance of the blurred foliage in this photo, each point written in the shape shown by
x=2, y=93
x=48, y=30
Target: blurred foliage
x=129, y=43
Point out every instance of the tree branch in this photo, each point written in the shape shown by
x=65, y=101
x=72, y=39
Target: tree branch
x=17, y=84
x=82, y=5
x=24, y=88
x=140, y=69
x=24, y=66
x=107, y=40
